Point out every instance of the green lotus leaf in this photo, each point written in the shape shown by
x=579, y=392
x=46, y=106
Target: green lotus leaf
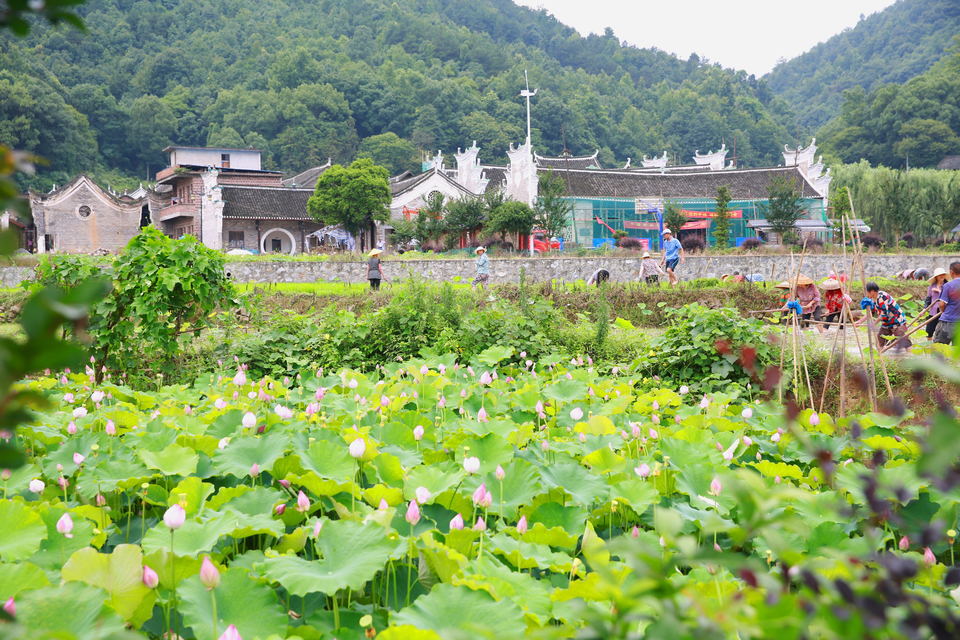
x=56, y=546
x=407, y=632
x=492, y=355
x=252, y=501
x=242, y=453
x=225, y=495
x=22, y=531
x=21, y=576
x=190, y=494
x=251, y=606
x=173, y=460
x=330, y=460
x=72, y=610
x=603, y=460
x=553, y=514
x=596, y=426
x=551, y=537
x=389, y=468
x=491, y=449
x=571, y=477
x=120, y=574
x=639, y=494
x=437, y=478
x=444, y=561
x=459, y=612
x=530, y=595
x=195, y=536
x=527, y=555
x=351, y=553
x=566, y=391
x=110, y=475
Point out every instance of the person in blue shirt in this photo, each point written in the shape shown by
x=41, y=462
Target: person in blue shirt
x=672, y=255
x=483, y=267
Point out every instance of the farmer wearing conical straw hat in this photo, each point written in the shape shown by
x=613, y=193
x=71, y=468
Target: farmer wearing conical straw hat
x=937, y=280
x=374, y=272
x=809, y=298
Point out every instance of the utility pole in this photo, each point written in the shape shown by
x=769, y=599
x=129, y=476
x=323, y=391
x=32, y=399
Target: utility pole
x=526, y=93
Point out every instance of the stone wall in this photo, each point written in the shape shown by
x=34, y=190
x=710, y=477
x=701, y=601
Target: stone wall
x=544, y=269
x=570, y=269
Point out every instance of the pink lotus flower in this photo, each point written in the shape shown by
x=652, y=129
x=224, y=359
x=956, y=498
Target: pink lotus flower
x=442, y=402
x=353, y=384
x=904, y=543
x=109, y=428
x=480, y=493
x=582, y=437
x=928, y=558
x=249, y=420
x=317, y=527
x=442, y=368
x=635, y=532
x=480, y=525
x=423, y=495
x=418, y=433
x=413, y=513
x=174, y=517
x=704, y=402
x=522, y=525
x=209, y=576
x=284, y=483
x=643, y=470
x=456, y=523
x=283, y=412
x=303, y=502
x=358, y=447
x=500, y=473
x=482, y=415
x=747, y=413
x=576, y=413
x=747, y=441
x=99, y=500
x=97, y=396
x=150, y=578
x=424, y=370
x=383, y=506
x=63, y=482
x=545, y=445
x=487, y=499
x=814, y=419
x=775, y=437
x=36, y=486
x=635, y=430
x=471, y=464
x=231, y=633
x=254, y=470
x=79, y=412
x=72, y=428
x=68, y=398
x=240, y=379
x=10, y=608
x=715, y=486
x=653, y=433
x=280, y=509
x=319, y=393
x=220, y=403
x=716, y=547
x=78, y=459
x=485, y=378
x=65, y=525
x=684, y=390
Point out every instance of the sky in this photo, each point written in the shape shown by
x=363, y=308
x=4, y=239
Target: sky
x=743, y=34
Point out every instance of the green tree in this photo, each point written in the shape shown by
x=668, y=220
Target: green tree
x=152, y=127
x=840, y=206
x=391, y=151
x=511, y=217
x=924, y=141
x=553, y=208
x=721, y=229
x=353, y=196
x=673, y=217
x=466, y=215
x=783, y=207
x=430, y=224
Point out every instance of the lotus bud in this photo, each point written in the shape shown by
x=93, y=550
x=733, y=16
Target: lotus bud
x=174, y=517
x=747, y=413
x=418, y=432
x=209, y=576
x=284, y=483
x=284, y=412
x=109, y=428
x=353, y=384
x=485, y=378
x=303, y=502
x=456, y=523
x=928, y=558
x=413, y=513
x=36, y=486
x=319, y=393
x=280, y=509
x=79, y=412
x=747, y=441
x=715, y=486
x=78, y=459
x=480, y=493
x=99, y=500
x=358, y=447
x=487, y=499
x=254, y=470
x=653, y=433
x=240, y=379
x=231, y=633
x=716, y=547
x=423, y=495
x=545, y=445
x=576, y=413
x=65, y=525
x=10, y=608
x=442, y=402
x=582, y=437
x=480, y=525
x=814, y=419
x=249, y=420
x=150, y=578
x=500, y=473
x=72, y=428
x=522, y=525
x=471, y=464
x=317, y=527
x=482, y=415
x=643, y=470
x=384, y=401
x=777, y=480
x=97, y=396
x=442, y=368
x=63, y=482
x=68, y=398
x=775, y=437
x=220, y=403
x=904, y=543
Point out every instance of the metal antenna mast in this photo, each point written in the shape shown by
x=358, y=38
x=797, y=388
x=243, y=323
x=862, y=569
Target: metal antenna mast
x=526, y=93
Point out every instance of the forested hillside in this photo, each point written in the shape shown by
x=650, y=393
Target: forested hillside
x=891, y=46
x=305, y=81
x=914, y=124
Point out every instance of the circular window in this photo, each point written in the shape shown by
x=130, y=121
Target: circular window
x=84, y=211
x=434, y=196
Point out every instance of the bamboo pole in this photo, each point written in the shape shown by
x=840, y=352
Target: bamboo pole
x=826, y=378
x=908, y=334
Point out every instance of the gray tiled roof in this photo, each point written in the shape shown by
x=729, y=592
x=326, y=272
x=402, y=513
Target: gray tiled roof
x=745, y=184
x=949, y=162
x=400, y=186
x=495, y=176
x=266, y=203
x=307, y=179
x=568, y=162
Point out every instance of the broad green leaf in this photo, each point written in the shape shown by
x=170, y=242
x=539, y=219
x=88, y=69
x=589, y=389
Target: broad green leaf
x=21, y=533
x=585, y=487
x=21, y=576
x=120, y=574
x=70, y=610
x=174, y=460
x=351, y=553
x=566, y=391
x=459, y=612
x=330, y=460
x=492, y=355
x=596, y=426
x=251, y=606
x=526, y=555
x=530, y=595
x=243, y=452
x=190, y=494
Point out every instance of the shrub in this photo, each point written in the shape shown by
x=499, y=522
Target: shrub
x=909, y=239
x=693, y=244
x=708, y=346
x=751, y=244
x=630, y=243
x=871, y=240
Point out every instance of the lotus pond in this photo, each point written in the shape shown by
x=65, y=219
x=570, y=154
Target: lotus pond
x=440, y=500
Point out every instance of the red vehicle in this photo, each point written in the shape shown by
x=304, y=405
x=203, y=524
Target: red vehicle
x=543, y=244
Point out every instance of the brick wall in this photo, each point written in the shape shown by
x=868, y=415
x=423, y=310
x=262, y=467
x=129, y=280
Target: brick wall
x=109, y=226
